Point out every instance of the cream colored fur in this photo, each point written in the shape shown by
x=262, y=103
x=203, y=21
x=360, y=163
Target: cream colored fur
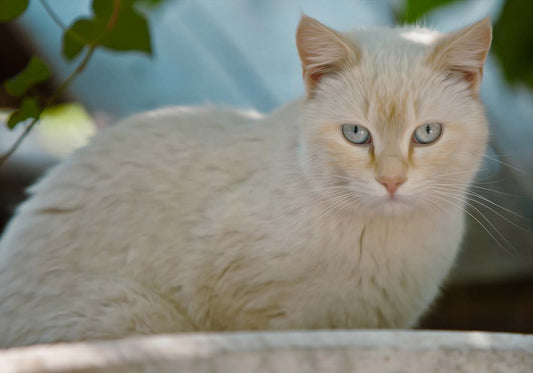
x=188, y=219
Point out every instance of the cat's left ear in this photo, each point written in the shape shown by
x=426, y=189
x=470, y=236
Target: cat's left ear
x=322, y=51
x=463, y=53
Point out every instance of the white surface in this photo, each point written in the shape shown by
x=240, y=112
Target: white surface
x=317, y=351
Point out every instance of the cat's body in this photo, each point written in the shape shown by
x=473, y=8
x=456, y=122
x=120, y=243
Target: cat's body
x=206, y=219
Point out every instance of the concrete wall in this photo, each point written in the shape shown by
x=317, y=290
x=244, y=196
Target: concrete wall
x=316, y=351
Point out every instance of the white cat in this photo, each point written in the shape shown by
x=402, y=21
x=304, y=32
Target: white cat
x=327, y=213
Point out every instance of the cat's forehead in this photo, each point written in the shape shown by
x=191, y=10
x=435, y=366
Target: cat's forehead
x=393, y=76
x=386, y=51
x=399, y=40
x=393, y=87
x=398, y=104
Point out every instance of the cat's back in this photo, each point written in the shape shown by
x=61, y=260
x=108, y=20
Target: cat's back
x=162, y=137
x=157, y=148
x=142, y=182
x=116, y=217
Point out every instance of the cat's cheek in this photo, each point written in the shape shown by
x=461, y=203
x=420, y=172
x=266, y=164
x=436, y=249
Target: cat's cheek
x=350, y=159
x=465, y=146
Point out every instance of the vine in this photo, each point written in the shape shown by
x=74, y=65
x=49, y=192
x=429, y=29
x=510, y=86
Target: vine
x=115, y=25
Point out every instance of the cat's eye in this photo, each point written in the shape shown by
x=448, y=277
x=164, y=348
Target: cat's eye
x=427, y=133
x=356, y=134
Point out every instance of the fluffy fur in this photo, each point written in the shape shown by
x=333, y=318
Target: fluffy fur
x=188, y=219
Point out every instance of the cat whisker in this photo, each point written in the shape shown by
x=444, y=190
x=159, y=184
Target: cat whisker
x=499, y=206
x=487, y=181
x=426, y=202
x=332, y=187
x=458, y=173
x=472, y=193
x=329, y=195
x=496, y=191
x=345, y=204
x=433, y=204
x=442, y=197
x=446, y=201
x=333, y=208
x=500, y=215
x=328, y=176
x=506, y=164
x=471, y=198
x=481, y=181
x=461, y=185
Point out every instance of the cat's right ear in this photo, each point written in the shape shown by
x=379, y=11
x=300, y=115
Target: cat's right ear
x=463, y=53
x=322, y=51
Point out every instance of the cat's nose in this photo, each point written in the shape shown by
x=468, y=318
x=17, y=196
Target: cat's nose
x=391, y=183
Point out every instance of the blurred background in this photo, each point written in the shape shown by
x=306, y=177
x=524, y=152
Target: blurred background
x=242, y=53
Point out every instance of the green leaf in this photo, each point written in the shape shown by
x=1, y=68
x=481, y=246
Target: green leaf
x=83, y=32
x=10, y=9
x=35, y=72
x=151, y=3
x=415, y=9
x=30, y=108
x=130, y=30
x=130, y=33
x=513, y=41
x=104, y=8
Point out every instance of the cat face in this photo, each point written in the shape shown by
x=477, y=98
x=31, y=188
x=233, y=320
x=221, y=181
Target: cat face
x=392, y=120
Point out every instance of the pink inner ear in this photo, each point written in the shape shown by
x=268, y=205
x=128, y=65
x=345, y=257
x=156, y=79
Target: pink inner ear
x=471, y=76
x=322, y=51
x=463, y=53
x=312, y=76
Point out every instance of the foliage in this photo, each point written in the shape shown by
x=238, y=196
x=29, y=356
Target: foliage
x=10, y=9
x=512, y=36
x=29, y=108
x=34, y=73
x=114, y=24
x=129, y=31
x=414, y=10
x=513, y=41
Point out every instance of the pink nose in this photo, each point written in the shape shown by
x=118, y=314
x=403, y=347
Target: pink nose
x=391, y=183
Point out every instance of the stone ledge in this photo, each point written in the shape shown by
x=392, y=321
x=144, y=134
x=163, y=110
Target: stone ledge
x=302, y=351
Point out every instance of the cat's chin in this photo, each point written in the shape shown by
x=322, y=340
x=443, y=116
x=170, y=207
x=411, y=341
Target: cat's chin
x=396, y=206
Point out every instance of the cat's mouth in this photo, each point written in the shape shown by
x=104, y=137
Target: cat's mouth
x=397, y=200
x=394, y=205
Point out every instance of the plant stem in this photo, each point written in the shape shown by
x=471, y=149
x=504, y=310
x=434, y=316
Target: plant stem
x=53, y=15
x=49, y=102
x=63, y=86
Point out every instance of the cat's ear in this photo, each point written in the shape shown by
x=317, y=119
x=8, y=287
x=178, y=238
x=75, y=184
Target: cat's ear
x=463, y=52
x=322, y=51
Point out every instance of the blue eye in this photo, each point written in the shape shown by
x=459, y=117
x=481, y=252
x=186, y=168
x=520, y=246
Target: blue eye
x=356, y=134
x=427, y=133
